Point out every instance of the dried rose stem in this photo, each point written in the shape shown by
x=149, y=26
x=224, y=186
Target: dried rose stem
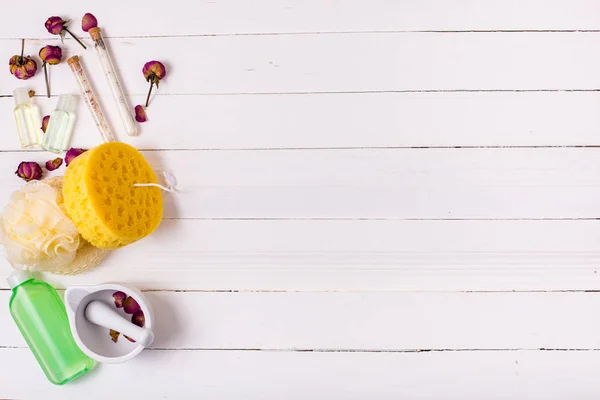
x=113, y=81
x=76, y=38
x=91, y=99
x=47, y=82
x=22, y=50
x=149, y=92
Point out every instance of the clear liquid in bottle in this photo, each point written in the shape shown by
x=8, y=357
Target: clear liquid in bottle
x=28, y=118
x=60, y=126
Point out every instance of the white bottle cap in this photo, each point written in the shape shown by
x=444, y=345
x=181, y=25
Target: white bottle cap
x=21, y=96
x=17, y=277
x=67, y=102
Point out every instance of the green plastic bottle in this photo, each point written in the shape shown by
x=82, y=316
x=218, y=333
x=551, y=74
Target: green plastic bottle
x=42, y=319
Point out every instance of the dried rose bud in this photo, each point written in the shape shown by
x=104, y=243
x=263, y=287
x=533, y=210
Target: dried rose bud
x=119, y=299
x=45, y=123
x=72, y=154
x=88, y=22
x=140, y=114
x=153, y=71
x=57, y=26
x=130, y=306
x=51, y=54
x=22, y=67
x=114, y=335
x=139, y=319
x=54, y=164
x=29, y=170
x=130, y=339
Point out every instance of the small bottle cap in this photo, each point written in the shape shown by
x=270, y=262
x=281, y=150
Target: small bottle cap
x=17, y=277
x=73, y=60
x=95, y=33
x=21, y=96
x=67, y=102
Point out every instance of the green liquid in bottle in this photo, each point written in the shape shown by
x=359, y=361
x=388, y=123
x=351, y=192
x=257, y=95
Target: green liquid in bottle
x=42, y=319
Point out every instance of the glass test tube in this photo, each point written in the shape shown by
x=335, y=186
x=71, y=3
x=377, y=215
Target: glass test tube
x=91, y=99
x=113, y=81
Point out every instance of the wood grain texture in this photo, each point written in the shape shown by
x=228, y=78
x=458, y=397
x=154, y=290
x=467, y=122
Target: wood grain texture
x=355, y=120
x=354, y=255
x=299, y=375
x=377, y=183
x=364, y=321
x=359, y=62
x=183, y=18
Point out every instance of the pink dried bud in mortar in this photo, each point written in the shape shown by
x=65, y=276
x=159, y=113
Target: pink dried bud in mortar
x=119, y=299
x=140, y=114
x=45, y=121
x=72, y=154
x=88, y=22
x=54, y=164
x=29, y=170
x=138, y=318
x=130, y=306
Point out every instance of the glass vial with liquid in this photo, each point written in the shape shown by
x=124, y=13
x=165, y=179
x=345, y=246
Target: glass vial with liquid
x=29, y=120
x=60, y=125
x=42, y=319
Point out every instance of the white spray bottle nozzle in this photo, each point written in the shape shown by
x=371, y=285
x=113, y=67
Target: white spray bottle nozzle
x=102, y=314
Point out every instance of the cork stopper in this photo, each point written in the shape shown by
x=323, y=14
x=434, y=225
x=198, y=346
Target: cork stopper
x=95, y=33
x=73, y=60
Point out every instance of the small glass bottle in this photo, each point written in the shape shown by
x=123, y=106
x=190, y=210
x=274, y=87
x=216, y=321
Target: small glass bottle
x=60, y=125
x=29, y=120
x=42, y=319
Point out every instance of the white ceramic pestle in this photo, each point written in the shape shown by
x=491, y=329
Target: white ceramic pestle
x=102, y=314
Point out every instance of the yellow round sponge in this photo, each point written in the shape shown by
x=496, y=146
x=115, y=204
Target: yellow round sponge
x=101, y=199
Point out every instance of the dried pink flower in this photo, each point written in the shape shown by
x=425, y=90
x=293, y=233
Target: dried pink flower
x=50, y=55
x=140, y=114
x=139, y=319
x=72, y=154
x=45, y=123
x=119, y=298
x=51, y=165
x=57, y=26
x=130, y=306
x=88, y=22
x=29, y=170
x=22, y=67
x=153, y=71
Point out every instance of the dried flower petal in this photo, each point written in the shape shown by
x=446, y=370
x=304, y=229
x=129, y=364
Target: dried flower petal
x=54, y=164
x=114, y=335
x=88, y=22
x=55, y=25
x=29, y=170
x=138, y=318
x=140, y=114
x=130, y=339
x=45, y=123
x=119, y=298
x=130, y=306
x=72, y=153
x=22, y=67
x=51, y=54
x=31, y=93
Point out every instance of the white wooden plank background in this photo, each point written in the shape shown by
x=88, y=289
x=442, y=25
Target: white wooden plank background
x=382, y=199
